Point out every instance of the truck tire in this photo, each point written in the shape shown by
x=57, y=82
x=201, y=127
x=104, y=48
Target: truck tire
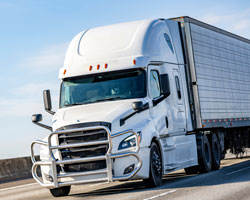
x=216, y=152
x=205, y=158
x=155, y=168
x=61, y=191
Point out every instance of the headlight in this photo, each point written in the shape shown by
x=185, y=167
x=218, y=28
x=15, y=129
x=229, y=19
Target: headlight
x=129, y=141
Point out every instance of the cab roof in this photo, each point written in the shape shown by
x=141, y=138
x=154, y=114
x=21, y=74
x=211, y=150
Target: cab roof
x=117, y=47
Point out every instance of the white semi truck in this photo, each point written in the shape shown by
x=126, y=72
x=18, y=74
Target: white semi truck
x=141, y=99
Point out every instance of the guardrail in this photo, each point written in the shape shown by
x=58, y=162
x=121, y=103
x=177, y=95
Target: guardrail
x=15, y=168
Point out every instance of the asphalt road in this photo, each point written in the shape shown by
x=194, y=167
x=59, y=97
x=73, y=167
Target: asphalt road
x=231, y=182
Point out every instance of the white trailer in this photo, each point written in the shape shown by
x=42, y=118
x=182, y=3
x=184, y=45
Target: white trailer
x=142, y=99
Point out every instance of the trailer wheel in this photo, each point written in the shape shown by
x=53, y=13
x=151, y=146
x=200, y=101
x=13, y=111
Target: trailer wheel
x=205, y=160
x=155, y=170
x=216, y=152
x=61, y=191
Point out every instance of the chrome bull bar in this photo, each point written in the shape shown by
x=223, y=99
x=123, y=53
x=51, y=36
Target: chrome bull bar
x=53, y=162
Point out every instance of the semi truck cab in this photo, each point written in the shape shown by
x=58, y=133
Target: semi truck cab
x=124, y=110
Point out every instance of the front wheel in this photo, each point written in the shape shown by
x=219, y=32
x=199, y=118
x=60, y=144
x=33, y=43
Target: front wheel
x=155, y=170
x=60, y=192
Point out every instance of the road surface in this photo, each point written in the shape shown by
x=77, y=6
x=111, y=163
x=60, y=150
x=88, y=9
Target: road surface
x=231, y=182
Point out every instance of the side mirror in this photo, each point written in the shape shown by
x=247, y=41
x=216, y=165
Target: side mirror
x=137, y=106
x=47, y=101
x=36, y=118
x=165, y=87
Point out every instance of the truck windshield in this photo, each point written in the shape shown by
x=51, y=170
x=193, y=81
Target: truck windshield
x=110, y=86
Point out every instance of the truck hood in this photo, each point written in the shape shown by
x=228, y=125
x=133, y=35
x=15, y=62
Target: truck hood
x=102, y=111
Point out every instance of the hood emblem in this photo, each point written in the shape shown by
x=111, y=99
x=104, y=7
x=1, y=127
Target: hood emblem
x=78, y=120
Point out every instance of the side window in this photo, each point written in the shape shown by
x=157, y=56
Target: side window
x=169, y=42
x=177, y=82
x=155, y=84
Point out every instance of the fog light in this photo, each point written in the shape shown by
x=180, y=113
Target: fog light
x=129, y=169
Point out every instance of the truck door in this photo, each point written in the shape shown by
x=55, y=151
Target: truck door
x=158, y=111
x=179, y=103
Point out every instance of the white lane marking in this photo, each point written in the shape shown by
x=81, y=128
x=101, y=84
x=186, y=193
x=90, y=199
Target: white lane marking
x=238, y=170
x=160, y=195
x=20, y=186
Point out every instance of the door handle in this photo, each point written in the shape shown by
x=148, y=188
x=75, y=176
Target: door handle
x=166, y=120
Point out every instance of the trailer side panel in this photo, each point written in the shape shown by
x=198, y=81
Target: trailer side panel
x=222, y=71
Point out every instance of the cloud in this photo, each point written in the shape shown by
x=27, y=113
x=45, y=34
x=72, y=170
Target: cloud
x=27, y=100
x=6, y=4
x=242, y=25
x=18, y=107
x=211, y=19
x=22, y=107
x=48, y=59
x=238, y=23
x=31, y=90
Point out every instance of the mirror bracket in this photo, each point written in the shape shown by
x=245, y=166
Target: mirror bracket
x=36, y=118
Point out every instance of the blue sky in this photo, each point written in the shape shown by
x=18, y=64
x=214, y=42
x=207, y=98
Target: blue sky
x=34, y=36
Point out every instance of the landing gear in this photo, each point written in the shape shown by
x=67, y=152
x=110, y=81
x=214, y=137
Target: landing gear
x=155, y=171
x=61, y=191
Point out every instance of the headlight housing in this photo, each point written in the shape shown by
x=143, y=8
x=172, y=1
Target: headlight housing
x=129, y=141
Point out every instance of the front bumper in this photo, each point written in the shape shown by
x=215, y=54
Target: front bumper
x=59, y=179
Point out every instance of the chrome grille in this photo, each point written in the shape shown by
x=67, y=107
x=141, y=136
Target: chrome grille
x=83, y=152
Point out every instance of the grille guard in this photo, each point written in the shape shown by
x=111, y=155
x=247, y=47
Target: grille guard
x=108, y=157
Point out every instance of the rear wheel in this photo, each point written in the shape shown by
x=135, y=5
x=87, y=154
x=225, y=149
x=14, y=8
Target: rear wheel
x=155, y=170
x=61, y=191
x=216, y=152
x=205, y=158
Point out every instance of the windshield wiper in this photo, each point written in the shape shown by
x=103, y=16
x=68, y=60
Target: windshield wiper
x=73, y=104
x=108, y=99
